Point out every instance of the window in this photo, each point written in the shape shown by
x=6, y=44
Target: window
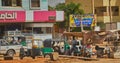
x=37, y=30
x=44, y=30
x=12, y=3
x=35, y=3
x=115, y=10
x=48, y=30
x=101, y=11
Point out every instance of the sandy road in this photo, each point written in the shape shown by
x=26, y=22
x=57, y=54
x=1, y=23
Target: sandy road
x=61, y=60
x=16, y=59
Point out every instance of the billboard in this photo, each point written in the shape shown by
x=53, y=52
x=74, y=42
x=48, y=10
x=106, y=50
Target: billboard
x=77, y=20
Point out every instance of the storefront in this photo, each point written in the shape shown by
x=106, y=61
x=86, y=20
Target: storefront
x=40, y=23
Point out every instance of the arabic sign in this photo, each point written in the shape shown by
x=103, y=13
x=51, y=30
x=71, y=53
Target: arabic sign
x=76, y=20
x=43, y=16
x=12, y=16
x=8, y=16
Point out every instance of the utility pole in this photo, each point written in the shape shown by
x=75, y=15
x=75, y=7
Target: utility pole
x=81, y=24
x=93, y=11
x=69, y=23
x=110, y=14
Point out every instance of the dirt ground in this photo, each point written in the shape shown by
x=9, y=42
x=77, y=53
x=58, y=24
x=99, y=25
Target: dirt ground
x=61, y=60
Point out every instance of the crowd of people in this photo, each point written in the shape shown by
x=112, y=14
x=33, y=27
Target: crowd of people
x=86, y=50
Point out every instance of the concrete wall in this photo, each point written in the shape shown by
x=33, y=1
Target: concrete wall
x=44, y=4
x=85, y=4
x=26, y=6
x=118, y=26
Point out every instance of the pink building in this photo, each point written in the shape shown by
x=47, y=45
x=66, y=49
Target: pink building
x=39, y=22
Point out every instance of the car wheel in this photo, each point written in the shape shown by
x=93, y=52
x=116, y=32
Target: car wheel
x=47, y=55
x=10, y=53
x=21, y=57
x=33, y=57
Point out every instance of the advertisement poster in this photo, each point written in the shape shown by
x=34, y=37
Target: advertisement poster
x=77, y=20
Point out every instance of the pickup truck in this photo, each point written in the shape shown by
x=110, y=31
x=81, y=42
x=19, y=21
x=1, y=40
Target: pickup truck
x=8, y=49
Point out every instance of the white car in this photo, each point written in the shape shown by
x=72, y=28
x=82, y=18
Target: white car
x=8, y=49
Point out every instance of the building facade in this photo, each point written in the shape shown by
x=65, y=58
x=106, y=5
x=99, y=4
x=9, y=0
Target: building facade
x=30, y=15
x=107, y=11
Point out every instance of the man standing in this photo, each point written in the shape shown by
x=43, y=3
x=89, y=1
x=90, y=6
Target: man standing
x=73, y=49
x=107, y=51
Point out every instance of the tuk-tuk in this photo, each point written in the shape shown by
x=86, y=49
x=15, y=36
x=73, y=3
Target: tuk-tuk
x=32, y=49
x=47, y=50
x=61, y=46
x=47, y=47
x=43, y=48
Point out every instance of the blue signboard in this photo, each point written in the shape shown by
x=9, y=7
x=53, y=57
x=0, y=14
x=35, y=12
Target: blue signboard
x=76, y=22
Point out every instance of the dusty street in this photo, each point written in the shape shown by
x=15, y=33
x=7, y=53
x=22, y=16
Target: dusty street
x=61, y=60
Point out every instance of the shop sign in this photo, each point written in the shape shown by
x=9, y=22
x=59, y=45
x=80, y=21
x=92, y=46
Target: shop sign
x=8, y=15
x=12, y=16
x=52, y=18
x=42, y=36
x=44, y=16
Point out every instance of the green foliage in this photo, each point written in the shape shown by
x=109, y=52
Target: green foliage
x=71, y=8
x=78, y=29
x=102, y=25
x=60, y=7
x=51, y=8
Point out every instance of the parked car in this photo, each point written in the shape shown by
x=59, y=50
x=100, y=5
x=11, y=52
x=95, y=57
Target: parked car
x=8, y=49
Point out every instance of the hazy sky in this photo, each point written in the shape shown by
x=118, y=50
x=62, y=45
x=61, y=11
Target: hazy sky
x=55, y=2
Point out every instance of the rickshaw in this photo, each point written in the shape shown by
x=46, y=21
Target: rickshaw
x=47, y=47
x=47, y=50
x=40, y=48
x=32, y=49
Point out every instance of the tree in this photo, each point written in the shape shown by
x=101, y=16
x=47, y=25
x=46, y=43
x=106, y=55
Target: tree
x=71, y=8
x=51, y=8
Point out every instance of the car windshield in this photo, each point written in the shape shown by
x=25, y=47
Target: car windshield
x=3, y=42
